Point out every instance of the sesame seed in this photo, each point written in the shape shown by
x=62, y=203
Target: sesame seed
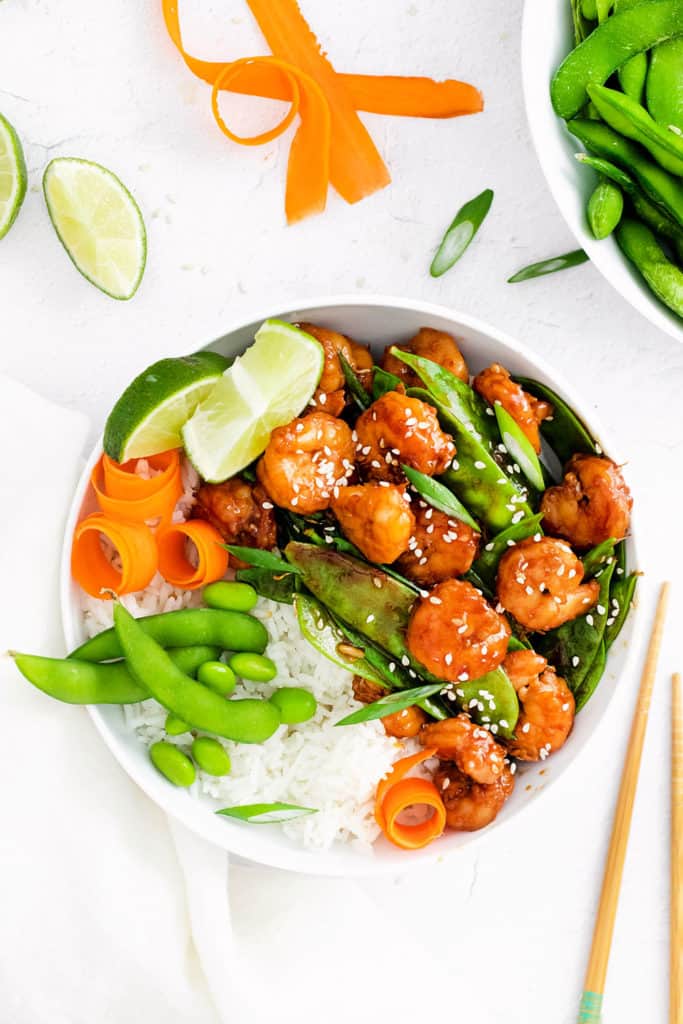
x=448, y=658
x=267, y=504
x=463, y=677
x=479, y=464
x=589, y=620
x=600, y=609
x=526, y=727
x=405, y=660
x=489, y=546
x=576, y=661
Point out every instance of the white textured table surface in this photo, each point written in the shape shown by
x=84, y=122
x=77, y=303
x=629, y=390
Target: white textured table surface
x=103, y=82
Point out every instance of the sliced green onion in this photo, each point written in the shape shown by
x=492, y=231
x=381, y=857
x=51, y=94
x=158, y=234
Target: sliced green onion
x=383, y=381
x=358, y=392
x=519, y=447
x=438, y=496
x=261, y=559
x=391, y=703
x=462, y=230
x=550, y=266
x=266, y=814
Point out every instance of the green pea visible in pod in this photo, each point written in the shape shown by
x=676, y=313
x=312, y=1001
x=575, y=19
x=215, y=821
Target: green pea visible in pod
x=253, y=666
x=232, y=597
x=175, y=726
x=211, y=756
x=172, y=763
x=605, y=207
x=629, y=118
x=294, y=704
x=664, y=90
x=217, y=676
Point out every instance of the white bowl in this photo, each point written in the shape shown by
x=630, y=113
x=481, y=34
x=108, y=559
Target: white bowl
x=380, y=321
x=547, y=37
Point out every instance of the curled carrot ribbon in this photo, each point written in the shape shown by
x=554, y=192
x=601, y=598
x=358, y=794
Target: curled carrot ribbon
x=124, y=495
x=176, y=567
x=331, y=144
x=395, y=793
x=93, y=569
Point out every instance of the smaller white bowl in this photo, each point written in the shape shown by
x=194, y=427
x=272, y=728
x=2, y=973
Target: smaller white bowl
x=547, y=37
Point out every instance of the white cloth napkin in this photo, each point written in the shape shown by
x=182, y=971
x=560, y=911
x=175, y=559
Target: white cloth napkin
x=108, y=911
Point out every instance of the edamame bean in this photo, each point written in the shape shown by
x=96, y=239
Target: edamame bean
x=605, y=207
x=234, y=597
x=217, y=676
x=172, y=763
x=253, y=666
x=641, y=247
x=211, y=757
x=294, y=704
x=175, y=726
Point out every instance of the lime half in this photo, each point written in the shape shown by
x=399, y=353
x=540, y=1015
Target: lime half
x=151, y=412
x=263, y=389
x=98, y=223
x=12, y=176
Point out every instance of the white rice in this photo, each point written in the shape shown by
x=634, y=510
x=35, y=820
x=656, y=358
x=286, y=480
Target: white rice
x=315, y=764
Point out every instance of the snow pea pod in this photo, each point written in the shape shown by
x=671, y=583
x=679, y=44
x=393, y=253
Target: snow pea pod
x=564, y=432
x=229, y=631
x=461, y=231
x=276, y=586
x=360, y=396
x=320, y=631
x=491, y=700
x=663, y=188
x=612, y=43
x=572, y=648
x=595, y=560
x=604, y=209
x=492, y=497
x=620, y=597
x=664, y=278
x=486, y=565
x=664, y=87
x=592, y=678
x=629, y=118
x=245, y=721
x=383, y=381
x=83, y=682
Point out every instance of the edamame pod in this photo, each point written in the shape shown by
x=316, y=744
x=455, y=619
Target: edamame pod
x=83, y=682
x=629, y=118
x=246, y=721
x=633, y=75
x=664, y=278
x=611, y=44
x=230, y=631
x=604, y=210
x=172, y=763
x=664, y=90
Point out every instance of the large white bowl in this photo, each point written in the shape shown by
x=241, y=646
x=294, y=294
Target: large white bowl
x=547, y=37
x=380, y=321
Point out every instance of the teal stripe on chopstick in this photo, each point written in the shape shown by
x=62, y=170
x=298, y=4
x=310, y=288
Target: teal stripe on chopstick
x=591, y=1008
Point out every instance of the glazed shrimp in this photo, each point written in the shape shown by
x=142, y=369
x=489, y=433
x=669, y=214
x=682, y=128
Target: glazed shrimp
x=240, y=512
x=546, y=706
x=539, y=584
x=376, y=518
x=471, y=747
x=330, y=395
x=398, y=429
x=591, y=504
x=472, y=805
x=455, y=633
x=438, y=346
x=496, y=386
x=440, y=547
x=307, y=462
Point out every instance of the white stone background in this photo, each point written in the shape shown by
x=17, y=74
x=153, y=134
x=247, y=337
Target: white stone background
x=102, y=81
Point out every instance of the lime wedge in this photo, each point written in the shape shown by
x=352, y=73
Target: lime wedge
x=263, y=389
x=98, y=223
x=151, y=412
x=12, y=176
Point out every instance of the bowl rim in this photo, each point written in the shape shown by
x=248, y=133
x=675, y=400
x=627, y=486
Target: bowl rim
x=233, y=838
x=639, y=297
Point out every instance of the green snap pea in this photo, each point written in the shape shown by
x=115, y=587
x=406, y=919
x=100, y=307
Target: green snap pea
x=612, y=43
x=599, y=556
x=211, y=756
x=83, y=682
x=461, y=231
x=276, y=586
x=629, y=118
x=174, y=726
x=604, y=210
x=486, y=565
x=230, y=631
x=660, y=186
x=353, y=382
x=664, y=88
x=294, y=704
x=664, y=278
x=246, y=721
x=232, y=597
x=382, y=382
x=633, y=75
x=218, y=677
x=621, y=597
x=318, y=628
x=564, y=431
x=490, y=700
x=258, y=558
x=172, y=763
x=253, y=666
x=592, y=677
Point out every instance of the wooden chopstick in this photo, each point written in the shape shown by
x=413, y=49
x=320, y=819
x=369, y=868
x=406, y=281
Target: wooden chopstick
x=676, y=896
x=591, y=1002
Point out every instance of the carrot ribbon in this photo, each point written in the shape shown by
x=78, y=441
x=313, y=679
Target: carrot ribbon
x=124, y=495
x=93, y=569
x=331, y=144
x=395, y=793
x=175, y=566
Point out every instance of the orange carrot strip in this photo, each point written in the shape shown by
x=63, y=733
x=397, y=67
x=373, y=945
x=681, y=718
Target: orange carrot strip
x=174, y=565
x=124, y=496
x=308, y=167
x=356, y=168
x=90, y=566
x=407, y=793
x=399, y=769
